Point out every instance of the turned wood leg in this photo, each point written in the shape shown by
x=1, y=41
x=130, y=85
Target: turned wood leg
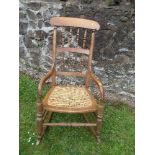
x=99, y=122
x=39, y=122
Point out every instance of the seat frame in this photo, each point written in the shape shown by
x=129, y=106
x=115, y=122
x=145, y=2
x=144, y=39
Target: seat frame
x=47, y=113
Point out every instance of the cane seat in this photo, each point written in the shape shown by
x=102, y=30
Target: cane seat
x=73, y=98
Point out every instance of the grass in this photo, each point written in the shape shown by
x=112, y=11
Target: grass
x=117, y=136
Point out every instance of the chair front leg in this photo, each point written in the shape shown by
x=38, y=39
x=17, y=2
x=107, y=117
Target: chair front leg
x=39, y=122
x=99, y=121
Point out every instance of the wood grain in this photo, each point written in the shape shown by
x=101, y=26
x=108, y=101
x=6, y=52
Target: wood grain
x=75, y=22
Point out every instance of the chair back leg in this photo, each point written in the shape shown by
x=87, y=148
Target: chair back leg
x=39, y=122
x=99, y=122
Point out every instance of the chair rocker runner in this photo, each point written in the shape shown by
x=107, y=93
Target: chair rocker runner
x=62, y=98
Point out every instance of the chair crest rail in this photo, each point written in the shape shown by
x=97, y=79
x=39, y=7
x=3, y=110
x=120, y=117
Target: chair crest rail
x=75, y=22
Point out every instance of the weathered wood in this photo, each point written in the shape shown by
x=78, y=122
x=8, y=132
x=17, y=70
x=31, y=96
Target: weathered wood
x=44, y=79
x=53, y=77
x=98, y=84
x=48, y=120
x=70, y=37
x=80, y=74
x=87, y=79
x=91, y=51
x=84, y=38
x=45, y=114
x=63, y=37
x=54, y=45
x=39, y=122
x=76, y=50
x=75, y=22
x=83, y=45
x=63, y=43
x=54, y=54
x=99, y=122
x=70, y=124
x=77, y=37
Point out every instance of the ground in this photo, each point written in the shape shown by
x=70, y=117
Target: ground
x=117, y=136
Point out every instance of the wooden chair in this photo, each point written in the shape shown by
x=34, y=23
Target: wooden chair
x=64, y=98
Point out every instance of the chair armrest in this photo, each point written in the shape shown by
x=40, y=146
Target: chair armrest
x=43, y=80
x=99, y=85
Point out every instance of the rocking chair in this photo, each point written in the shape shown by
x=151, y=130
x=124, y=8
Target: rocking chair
x=71, y=98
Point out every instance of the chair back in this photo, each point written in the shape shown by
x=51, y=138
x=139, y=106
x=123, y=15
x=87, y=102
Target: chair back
x=72, y=45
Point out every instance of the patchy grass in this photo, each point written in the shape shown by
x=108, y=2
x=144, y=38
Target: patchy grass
x=117, y=136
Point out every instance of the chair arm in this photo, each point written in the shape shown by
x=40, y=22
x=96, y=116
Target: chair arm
x=43, y=80
x=98, y=83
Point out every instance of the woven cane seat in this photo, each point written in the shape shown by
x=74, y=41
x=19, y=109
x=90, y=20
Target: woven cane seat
x=72, y=97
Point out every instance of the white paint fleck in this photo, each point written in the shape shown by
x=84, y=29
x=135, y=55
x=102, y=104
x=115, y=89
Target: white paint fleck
x=123, y=50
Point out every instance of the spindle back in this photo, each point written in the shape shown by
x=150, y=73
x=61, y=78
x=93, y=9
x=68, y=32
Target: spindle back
x=74, y=36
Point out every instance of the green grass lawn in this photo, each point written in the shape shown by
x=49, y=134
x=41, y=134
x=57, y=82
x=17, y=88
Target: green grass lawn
x=117, y=136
